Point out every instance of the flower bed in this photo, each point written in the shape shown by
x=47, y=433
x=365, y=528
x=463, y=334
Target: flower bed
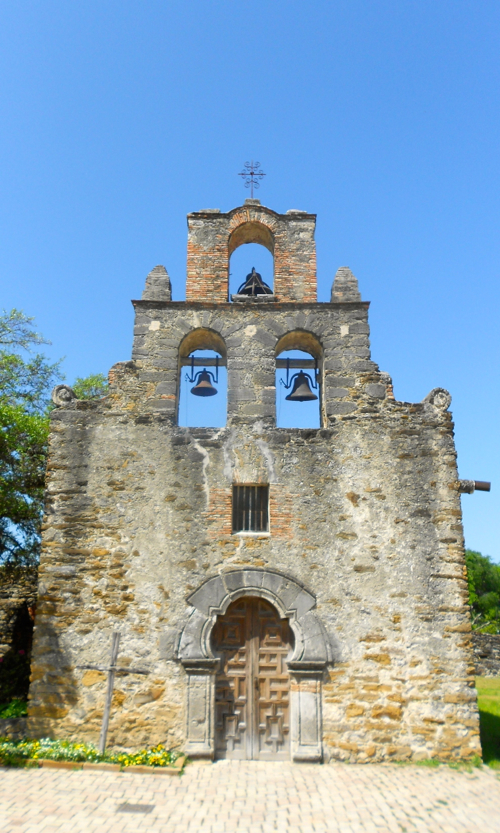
x=28, y=752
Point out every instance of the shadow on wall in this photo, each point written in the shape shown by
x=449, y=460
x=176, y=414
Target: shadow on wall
x=15, y=663
x=53, y=689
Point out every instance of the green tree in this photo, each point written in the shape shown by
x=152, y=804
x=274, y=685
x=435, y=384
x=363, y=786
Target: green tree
x=26, y=380
x=25, y=383
x=483, y=577
x=91, y=387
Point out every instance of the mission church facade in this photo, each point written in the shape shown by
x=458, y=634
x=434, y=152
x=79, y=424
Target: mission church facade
x=294, y=593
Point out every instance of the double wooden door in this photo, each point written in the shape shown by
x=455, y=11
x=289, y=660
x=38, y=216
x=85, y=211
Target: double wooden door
x=252, y=689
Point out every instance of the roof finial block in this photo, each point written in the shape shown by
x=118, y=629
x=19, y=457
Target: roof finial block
x=345, y=286
x=158, y=286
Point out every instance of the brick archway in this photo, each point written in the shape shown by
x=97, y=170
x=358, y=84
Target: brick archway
x=213, y=236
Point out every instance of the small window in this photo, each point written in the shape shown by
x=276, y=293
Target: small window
x=250, y=508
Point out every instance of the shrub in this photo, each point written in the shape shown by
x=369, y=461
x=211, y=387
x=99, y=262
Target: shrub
x=16, y=708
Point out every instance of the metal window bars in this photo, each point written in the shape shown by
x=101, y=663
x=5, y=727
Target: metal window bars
x=250, y=508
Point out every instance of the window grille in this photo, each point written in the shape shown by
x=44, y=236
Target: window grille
x=250, y=508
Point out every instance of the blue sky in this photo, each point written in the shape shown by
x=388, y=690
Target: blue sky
x=118, y=118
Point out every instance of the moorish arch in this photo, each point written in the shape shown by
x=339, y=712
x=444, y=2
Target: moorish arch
x=305, y=665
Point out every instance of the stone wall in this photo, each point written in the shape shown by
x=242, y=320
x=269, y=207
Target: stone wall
x=486, y=654
x=14, y=728
x=365, y=521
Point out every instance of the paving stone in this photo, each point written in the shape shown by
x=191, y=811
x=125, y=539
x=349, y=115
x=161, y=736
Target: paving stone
x=254, y=797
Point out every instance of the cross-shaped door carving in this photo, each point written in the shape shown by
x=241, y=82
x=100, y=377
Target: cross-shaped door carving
x=252, y=690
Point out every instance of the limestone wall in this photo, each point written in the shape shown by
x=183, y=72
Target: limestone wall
x=486, y=654
x=365, y=514
x=350, y=380
x=365, y=534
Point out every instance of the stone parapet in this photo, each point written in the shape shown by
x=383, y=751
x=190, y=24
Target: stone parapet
x=250, y=335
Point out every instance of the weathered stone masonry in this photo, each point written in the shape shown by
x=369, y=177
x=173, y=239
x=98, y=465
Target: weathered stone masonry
x=364, y=554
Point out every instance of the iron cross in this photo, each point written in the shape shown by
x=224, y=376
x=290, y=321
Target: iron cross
x=111, y=671
x=252, y=175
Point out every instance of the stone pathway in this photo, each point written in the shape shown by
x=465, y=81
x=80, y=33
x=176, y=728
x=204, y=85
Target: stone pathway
x=252, y=797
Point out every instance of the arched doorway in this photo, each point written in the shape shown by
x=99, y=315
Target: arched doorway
x=252, y=683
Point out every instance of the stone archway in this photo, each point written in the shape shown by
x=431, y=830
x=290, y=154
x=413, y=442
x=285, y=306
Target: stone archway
x=306, y=664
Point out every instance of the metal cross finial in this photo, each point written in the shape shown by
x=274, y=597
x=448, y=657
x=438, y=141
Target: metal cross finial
x=252, y=175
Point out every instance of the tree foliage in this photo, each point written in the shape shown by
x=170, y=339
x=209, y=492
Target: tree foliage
x=90, y=387
x=483, y=578
x=25, y=383
x=26, y=380
x=17, y=331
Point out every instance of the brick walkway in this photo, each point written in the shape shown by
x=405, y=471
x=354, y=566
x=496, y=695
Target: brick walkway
x=252, y=797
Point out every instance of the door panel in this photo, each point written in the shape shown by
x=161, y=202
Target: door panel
x=231, y=692
x=252, y=691
x=273, y=685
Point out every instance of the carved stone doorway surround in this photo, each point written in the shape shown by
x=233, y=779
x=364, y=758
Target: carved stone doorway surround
x=306, y=665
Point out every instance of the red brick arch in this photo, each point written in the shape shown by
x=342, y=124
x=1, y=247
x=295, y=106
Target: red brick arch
x=214, y=236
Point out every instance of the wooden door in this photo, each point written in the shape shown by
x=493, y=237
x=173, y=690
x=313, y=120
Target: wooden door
x=252, y=689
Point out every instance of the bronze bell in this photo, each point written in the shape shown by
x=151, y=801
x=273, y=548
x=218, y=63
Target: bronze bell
x=204, y=385
x=301, y=391
x=254, y=285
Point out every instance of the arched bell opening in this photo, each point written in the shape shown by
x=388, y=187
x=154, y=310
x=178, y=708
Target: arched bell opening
x=202, y=389
x=252, y=683
x=299, y=381
x=251, y=262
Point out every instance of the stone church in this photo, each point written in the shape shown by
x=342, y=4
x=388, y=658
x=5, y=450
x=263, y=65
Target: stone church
x=294, y=593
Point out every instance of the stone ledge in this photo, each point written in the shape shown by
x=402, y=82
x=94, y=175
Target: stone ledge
x=46, y=764
x=105, y=767
x=152, y=770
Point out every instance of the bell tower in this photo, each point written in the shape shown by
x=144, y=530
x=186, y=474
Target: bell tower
x=213, y=237
x=254, y=326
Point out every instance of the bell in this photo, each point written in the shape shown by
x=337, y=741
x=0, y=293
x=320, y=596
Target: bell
x=254, y=285
x=301, y=391
x=204, y=385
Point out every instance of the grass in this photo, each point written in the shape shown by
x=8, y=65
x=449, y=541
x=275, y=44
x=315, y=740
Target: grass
x=488, y=692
